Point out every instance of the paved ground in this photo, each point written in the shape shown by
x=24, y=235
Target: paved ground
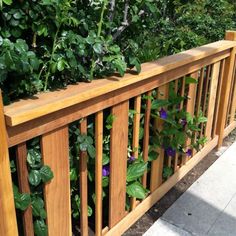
x=208, y=207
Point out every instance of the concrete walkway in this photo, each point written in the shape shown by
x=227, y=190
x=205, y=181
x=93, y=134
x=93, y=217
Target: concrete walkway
x=208, y=207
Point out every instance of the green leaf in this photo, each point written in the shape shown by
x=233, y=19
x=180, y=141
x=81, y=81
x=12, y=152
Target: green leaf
x=120, y=65
x=97, y=47
x=8, y=2
x=190, y=80
x=153, y=155
x=135, y=171
x=33, y=157
x=105, y=159
x=40, y=228
x=46, y=173
x=167, y=172
x=158, y=103
x=90, y=211
x=22, y=201
x=38, y=208
x=83, y=147
x=105, y=181
x=136, y=190
x=91, y=151
x=202, y=119
x=73, y=174
x=34, y=177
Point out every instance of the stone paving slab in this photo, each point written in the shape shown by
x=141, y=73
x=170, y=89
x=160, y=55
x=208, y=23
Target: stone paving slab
x=208, y=207
x=165, y=228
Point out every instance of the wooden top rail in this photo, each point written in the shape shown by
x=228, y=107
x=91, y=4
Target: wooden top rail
x=45, y=103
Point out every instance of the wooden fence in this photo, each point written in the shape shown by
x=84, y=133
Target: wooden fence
x=48, y=116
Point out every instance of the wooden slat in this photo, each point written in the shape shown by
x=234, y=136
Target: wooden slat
x=229, y=105
x=36, y=127
x=83, y=184
x=8, y=225
x=24, y=111
x=98, y=172
x=22, y=172
x=118, y=163
x=199, y=94
x=147, y=203
x=212, y=99
x=157, y=165
x=136, y=128
x=205, y=93
x=233, y=101
x=135, y=141
x=218, y=98
x=190, y=107
x=227, y=78
x=146, y=135
x=55, y=153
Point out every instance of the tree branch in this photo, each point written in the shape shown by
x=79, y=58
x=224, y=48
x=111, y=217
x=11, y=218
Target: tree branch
x=126, y=23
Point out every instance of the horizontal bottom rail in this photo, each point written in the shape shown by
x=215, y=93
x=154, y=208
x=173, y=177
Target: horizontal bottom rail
x=145, y=205
x=229, y=129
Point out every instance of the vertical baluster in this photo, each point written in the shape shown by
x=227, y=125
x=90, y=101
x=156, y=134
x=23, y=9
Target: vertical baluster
x=146, y=135
x=157, y=165
x=190, y=107
x=227, y=78
x=55, y=153
x=135, y=143
x=212, y=99
x=205, y=93
x=83, y=180
x=7, y=210
x=233, y=98
x=218, y=98
x=98, y=172
x=176, y=158
x=118, y=163
x=22, y=172
x=198, y=100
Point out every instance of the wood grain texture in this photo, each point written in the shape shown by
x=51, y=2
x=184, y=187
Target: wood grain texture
x=227, y=78
x=212, y=99
x=47, y=103
x=218, y=98
x=118, y=163
x=22, y=172
x=135, y=140
x=83, y=184
x=55, y=153
x=98, y=172
x=147, y=203
x=136, y=127
x=8, y=224
x=157, y=165
x=146, y=134
x=233, y=98
x=39, y=126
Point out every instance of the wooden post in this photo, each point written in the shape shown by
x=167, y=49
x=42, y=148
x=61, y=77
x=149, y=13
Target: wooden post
x=8, y=224
x=226, y=83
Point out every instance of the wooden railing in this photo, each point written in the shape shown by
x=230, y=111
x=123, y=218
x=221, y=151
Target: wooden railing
x=48, y=115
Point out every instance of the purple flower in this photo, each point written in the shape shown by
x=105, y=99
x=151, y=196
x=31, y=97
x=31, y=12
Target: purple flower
x=163, y=114
x=183, y=122
x=170, y=151
x=131, y=159
x=105, y=170
x=189, y=152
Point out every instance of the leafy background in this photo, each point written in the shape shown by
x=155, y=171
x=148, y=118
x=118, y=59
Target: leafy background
x=52, y=43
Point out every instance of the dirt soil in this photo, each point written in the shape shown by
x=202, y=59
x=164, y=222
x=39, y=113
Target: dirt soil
x=146, y=221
